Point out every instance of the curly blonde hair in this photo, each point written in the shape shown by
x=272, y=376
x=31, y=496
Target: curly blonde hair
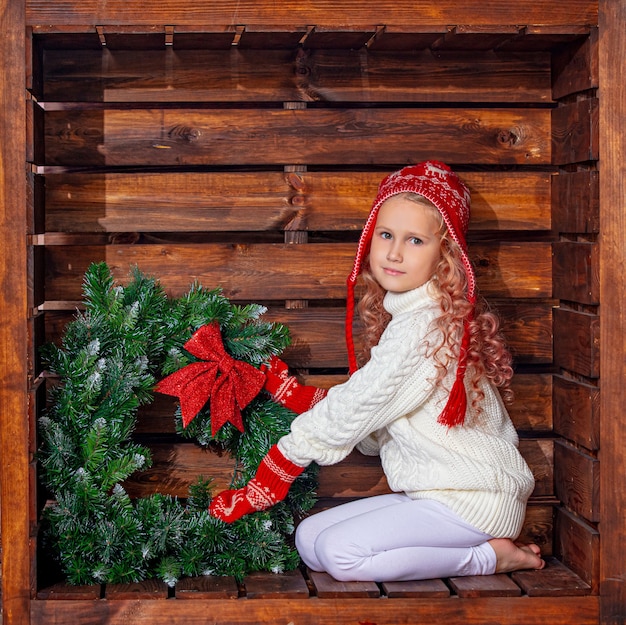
x=488, y=355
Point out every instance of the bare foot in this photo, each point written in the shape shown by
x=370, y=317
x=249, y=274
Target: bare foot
x=515, y=557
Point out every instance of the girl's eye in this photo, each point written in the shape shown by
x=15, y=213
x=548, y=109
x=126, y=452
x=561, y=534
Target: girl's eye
x=416, y=241
x=385, y=235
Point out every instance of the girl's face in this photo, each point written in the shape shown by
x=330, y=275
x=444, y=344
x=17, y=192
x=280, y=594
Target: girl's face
x=405, y=247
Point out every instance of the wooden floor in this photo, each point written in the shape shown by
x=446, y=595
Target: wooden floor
x=554, y=595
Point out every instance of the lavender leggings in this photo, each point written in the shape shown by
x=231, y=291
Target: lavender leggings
x=393, y=538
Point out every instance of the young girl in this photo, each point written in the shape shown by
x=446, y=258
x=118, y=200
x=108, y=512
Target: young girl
x=425, y=400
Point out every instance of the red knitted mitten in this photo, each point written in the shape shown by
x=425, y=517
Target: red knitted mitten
x=287, y=391
x=269, y=486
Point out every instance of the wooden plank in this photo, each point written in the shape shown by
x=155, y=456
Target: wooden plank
x=313, y=136
x=577, y=544
x=575, y=68
x=282, y=75
x=207, y=587
x=577, y=341
x=485, y=586
x=15, y=439
x=530, y=412
x=582, y=610
x=252, y=271
x=577, y=480
x=150, y=589
x=176, y=466
x=539, y=454
x=327, y=587
x=575, y=202
x=423, y=589
x=555, y=580
x=538, y=525
x=531, y=409
x=63, y=591
x=266, y=585
x=575, y=132
x=576, y=412
x=261, y=201
x=576, y=271
x=249, y=12
x=318, y=341
x=318, y=335
x=612, y=550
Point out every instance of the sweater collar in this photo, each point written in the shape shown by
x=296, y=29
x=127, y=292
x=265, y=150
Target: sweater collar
x=398, y=303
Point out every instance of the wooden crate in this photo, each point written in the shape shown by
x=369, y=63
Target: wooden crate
x=243, y=149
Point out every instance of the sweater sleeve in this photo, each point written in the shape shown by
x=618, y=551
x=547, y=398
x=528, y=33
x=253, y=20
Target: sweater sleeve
x=395, y=381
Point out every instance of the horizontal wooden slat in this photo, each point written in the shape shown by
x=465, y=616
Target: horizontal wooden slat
x=318, y=336
x=576, y=199
x=530, y=411
x=252, y=272
x=267, y=585
x=575, y=132
x=177, y=465
x=576, y=272
x=577, y=544
x=327, y=587
x=260, y=201
x=576, y=412
x=555, y=580
x=298, y=137
x=577, y=341
x=318, y=341
x=575, y=69
x=279, y=75
x=577, y=479
x=152, y=589
x=354, y=12
x=562, y=610
x=485, y=586
x=207, y=587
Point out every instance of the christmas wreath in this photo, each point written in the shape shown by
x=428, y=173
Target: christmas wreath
x=128, y=339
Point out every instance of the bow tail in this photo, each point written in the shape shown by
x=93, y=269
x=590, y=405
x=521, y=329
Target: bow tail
x=224, y=406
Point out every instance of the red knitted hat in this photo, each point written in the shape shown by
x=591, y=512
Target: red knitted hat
x=440, y=185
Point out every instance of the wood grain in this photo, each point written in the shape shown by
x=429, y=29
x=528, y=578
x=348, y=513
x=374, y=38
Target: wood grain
x=268, y=201
x=251, y=272
x=612, y=552
x=561, y=610
x=168, y=137
x=296, y=74
x=324, y=12
x=15, y=436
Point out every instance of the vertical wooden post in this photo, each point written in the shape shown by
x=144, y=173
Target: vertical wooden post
x=612, y=310
x=14, y=435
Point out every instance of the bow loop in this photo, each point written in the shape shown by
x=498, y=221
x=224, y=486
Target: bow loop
x=228, y=383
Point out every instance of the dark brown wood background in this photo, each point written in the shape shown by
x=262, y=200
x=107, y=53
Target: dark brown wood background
x=247, y=156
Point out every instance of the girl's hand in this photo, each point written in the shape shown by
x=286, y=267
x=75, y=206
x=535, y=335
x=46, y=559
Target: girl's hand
x=270, y=485
x=287, y=391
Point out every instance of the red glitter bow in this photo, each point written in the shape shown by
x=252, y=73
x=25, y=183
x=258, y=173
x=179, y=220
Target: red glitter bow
x=236, y=386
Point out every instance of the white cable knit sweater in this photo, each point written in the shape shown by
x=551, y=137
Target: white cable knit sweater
x=389, y=407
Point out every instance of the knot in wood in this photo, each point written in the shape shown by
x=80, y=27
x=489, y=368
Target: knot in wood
x=187, y=133
x=507, y=137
